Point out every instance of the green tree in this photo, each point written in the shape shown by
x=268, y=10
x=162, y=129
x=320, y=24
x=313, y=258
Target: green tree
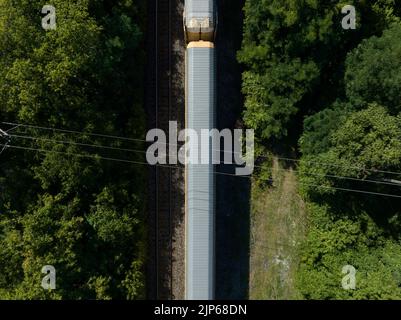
x=363, y=146
x=319, y=127
x=374, y=71
x=294, y=54
x=63, y=205
x=300, y=65
x=333, y=243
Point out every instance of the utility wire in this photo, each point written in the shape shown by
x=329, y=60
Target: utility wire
x=5, y=136
x=95, y=157
x=77, y=143
x=224, y=151
x=181, y=168
x=13, y=128
x=144, y=152
x=80, y=132
x=340, y=166
x=351, y=190
x=343, y=177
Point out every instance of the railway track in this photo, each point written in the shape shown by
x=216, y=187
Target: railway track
x=161, y=191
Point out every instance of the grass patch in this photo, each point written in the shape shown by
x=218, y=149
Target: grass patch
x=278, y=227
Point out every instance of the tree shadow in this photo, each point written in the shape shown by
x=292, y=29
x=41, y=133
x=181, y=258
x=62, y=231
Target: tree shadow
x=232, y=192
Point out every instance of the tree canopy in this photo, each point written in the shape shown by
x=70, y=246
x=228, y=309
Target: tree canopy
x=294, y=54
x=61, y=204
x=373, y=71
x=344, y=85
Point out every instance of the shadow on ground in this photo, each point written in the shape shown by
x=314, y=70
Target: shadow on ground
x=233, y=193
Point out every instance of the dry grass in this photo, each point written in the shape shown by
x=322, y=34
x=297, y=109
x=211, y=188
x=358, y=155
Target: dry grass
x=278, y=226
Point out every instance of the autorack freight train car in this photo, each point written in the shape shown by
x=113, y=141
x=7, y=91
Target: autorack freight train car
x=200, y=28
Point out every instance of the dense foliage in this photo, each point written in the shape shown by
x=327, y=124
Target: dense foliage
x=66, y=206
x=294, y=54
x=345, y=86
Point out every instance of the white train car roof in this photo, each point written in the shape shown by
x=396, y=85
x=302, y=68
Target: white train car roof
x=199, y=9
x=200, y=178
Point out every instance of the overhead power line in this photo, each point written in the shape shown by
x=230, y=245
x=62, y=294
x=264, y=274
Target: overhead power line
x=340, y=166
x=390, y=182
x=4, y=135
x=383, y=182
x=351, y=190
x=77, y=143
x=73, y=132
x=265, y=156
x=88, y=156
x=96, y=157
x=16, y=125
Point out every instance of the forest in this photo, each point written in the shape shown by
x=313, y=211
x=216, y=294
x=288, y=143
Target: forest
x=330, y=98
x=63, y=202
x=324, y=99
